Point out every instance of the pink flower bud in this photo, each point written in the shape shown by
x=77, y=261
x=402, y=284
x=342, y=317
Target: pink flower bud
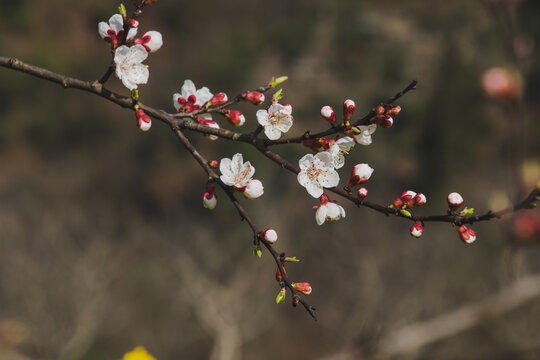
x=417, y=230
x=455, y=200
x=214, y=164
x=348, y=109
x=133, y=23
x=255, y=97
x=394, y=110
x=209, y=197
x=407, y=195
x=235, y=117
x=359, y=174
x=151, y=40
x=384, y=121
x=218, y=99
x=362, y=193
x=418, y=199
x=467, y=235
x=143, y=121
x=328, y=113
x=304, y=287
x=270, y=236
x=379, y=110
x=253, y=189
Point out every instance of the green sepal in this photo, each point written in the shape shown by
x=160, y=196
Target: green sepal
x=406, y=213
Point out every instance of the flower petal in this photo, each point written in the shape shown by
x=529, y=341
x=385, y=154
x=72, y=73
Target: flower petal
x=137, y=54
x=329, y=179
x=188, y=88
x=116, y=23
x=314, y=189
x=203, y=95
x=306, y=161
x=320, y=215
x=262, y=117
x=103, y=27
x=272, y=132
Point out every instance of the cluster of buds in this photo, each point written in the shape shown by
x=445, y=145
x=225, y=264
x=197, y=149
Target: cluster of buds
x=455, y=201
x=383, y=115
x=209, y=197
x=409, y=199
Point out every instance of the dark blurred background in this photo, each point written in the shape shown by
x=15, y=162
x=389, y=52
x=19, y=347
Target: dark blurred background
x=104, y=242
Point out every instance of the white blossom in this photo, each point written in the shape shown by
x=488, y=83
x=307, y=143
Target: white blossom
x=235, y=172
x=276, y=120
x=328, y=211
x=129, y=67
x=364, y=135
x=189, y=95
x=341, y=148
x=111, y=31
x=317, y=171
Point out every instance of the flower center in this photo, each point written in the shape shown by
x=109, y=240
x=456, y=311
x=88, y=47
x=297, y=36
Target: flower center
x=276, y=118
x=313, y=173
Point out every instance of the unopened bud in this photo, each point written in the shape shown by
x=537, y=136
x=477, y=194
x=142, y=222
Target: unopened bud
x=362, y=193
x=379, y=110
x=417, y=230
x=133, y=23
x=394, y=110
x=214, y=164
x=279, y=277
x=455, y=200
x=254, y=97
x=209, y=197
x=348, y=109
x=418, y=200
x=384, y=121
x=235, y=117
x=143, y=121
x=303, y=287
x=269, y=235
x=254, y=189
x=218, y=99
x=359, y=174
x=328, y=113
x=466, y=234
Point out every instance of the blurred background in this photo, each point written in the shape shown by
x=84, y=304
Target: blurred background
x=104, y=243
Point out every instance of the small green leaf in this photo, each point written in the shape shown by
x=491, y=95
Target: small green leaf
x=406, y=213
x=280, y=296
x=467, y=212
x=257, y=252
x=292, y=259
x=122, y=10
x=275, y=82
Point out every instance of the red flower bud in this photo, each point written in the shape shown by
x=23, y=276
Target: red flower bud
x=360, y=174
x=384, y=121
x=235, y=117
x=455, y=200
x=328, y=113
x=348, y=109
x=304, y=287
x=394, y=110
x=218, y=99
x=379, y=110
x=467, y=235
x=143, y=121
x=214, y=164
x=362, y=193
x=254, y=97
x=417, y=230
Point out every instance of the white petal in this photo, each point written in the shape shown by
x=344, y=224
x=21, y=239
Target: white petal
x=314, y=189
x=272, y=132
x=188, y=88
x=137, y=54
x=303, y=179
x=306, y=161
x=329, y=179
x=203, y=95
x=131, y=33
x=248, y=170
x=320, y=215
x=116, y=23
x=324, y=160
x=121, y=54
x=175, y=101
x=225, y=166
x=103, y=27
x=285, y=124
x=156, y=40
x=262, y=117
x=339, y=161
x=236, y=163
x=345, y=144
x=332, y=211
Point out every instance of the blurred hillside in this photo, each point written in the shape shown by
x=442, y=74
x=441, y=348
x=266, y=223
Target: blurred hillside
x=105, y=244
